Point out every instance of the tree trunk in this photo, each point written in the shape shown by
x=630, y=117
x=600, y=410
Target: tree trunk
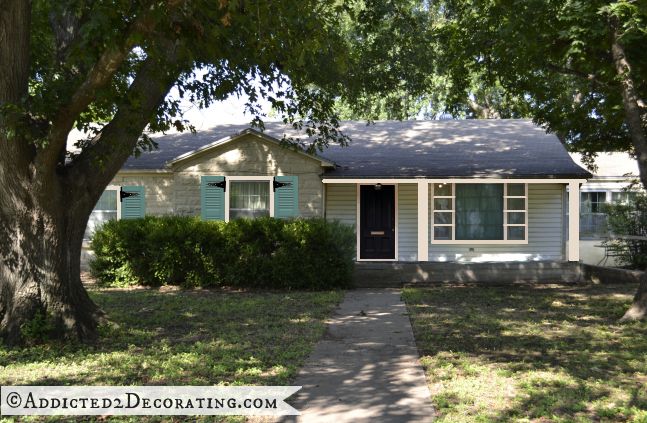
x=40, y=265
x=638, y=308
x=638, y=134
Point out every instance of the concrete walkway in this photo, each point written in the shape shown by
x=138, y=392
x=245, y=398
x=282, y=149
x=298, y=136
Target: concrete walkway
x=366, y=367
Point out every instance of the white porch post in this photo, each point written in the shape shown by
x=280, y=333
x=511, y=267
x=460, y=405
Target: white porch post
x=423, y=220
x=573, y=221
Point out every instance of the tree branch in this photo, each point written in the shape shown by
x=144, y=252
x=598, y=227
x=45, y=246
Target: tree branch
x=97, y=164
x=98, y=77
x=574, y=72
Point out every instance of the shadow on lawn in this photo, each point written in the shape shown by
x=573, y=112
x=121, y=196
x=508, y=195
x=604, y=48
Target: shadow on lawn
x=183, y=337
x=560, y=347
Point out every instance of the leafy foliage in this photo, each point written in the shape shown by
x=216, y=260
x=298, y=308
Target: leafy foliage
x=258, y=253
x=299, y=56
x=549, y=59
x=629, y=219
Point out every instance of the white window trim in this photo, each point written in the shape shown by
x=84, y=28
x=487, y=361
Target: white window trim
x=504, y=241
x=358, y=220
x=229, y=179
x=118, y=189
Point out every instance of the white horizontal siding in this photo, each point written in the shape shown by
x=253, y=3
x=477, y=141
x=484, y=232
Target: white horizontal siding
x=545, y=233
x=407, y=222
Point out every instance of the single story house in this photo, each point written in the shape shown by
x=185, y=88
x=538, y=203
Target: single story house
x=416, y=191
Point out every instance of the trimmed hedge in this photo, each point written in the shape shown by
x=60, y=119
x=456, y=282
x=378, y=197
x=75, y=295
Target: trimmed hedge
x=251, y=253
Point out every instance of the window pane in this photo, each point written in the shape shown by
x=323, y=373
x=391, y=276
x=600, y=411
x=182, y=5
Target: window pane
x=515, y=218
x=593, y=225
x=623, y=197
x=442, y=232
x=591, y=202
x=105, y=209
x=443, y=218
x=516, y=233
x=517, y=189
x=107, y=201
x=479, y=211
x=442, y=203
x=516, y=203
x=442, y=190
x=249, y=199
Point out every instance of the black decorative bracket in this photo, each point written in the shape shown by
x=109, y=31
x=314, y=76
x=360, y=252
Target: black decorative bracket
x=276, y=184
x=124, y=194
x=222, y=184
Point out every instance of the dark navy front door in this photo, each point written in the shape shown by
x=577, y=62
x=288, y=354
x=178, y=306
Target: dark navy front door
x=377, y=222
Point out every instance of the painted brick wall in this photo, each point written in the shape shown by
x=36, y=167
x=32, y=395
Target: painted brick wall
x=248, y=156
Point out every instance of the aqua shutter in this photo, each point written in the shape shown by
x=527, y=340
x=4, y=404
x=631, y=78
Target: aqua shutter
x=286, y=198
x=212, y=199
x=133, y=207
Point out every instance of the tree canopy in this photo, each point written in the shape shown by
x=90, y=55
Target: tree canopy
x=106, y=67
x=557, y=56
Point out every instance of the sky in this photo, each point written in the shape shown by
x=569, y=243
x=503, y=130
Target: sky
x=228, y=111
x=231, y=111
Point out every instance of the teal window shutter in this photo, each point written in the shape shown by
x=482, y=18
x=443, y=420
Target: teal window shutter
x=212, y=198
x=286, y=197
x=133, y=202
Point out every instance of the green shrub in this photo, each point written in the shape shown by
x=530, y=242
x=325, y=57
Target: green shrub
x=629, y=219
x=246, y=253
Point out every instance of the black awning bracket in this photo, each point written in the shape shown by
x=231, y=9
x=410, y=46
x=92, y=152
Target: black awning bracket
x=222, y=184
x=276, y=184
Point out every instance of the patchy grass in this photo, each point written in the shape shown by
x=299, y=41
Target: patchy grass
x=536, y=354
x=183, y=338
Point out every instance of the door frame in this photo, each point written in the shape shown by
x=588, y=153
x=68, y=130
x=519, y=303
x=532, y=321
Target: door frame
x=359, y=221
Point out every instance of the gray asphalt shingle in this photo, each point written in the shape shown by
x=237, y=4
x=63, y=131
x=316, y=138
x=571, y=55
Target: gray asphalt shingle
x=446, y=148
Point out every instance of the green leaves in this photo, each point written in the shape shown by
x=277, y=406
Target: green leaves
x=301, y=56
x=547, y=59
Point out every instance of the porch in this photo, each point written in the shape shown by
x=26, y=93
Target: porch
x=458, y=219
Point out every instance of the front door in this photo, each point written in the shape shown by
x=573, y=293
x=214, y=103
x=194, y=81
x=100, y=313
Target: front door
x=377, y=222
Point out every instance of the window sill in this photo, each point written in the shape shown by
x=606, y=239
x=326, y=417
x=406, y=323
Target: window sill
x=479, y=242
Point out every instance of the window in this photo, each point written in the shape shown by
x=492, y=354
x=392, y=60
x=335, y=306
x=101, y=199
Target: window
x=249, y=199
x=443, y=211
x=105, y=209
x=593, y=220
x=479, y=213
x=624, y=197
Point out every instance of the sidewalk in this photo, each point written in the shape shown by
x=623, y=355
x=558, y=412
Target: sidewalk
x=366, y=367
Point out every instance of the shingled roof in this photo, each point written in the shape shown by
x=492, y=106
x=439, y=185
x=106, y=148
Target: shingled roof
x=513, y=148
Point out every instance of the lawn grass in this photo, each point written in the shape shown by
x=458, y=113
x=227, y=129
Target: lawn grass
x=196, y=337
x=539, y=354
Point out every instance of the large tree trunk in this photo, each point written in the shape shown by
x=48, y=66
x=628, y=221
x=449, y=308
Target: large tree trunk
x=634, y=120
x=40, y=265
x=639, y=305
x=45, y=201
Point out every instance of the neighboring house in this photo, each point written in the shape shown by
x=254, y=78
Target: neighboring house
x=615, y=180
x=463, y=190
